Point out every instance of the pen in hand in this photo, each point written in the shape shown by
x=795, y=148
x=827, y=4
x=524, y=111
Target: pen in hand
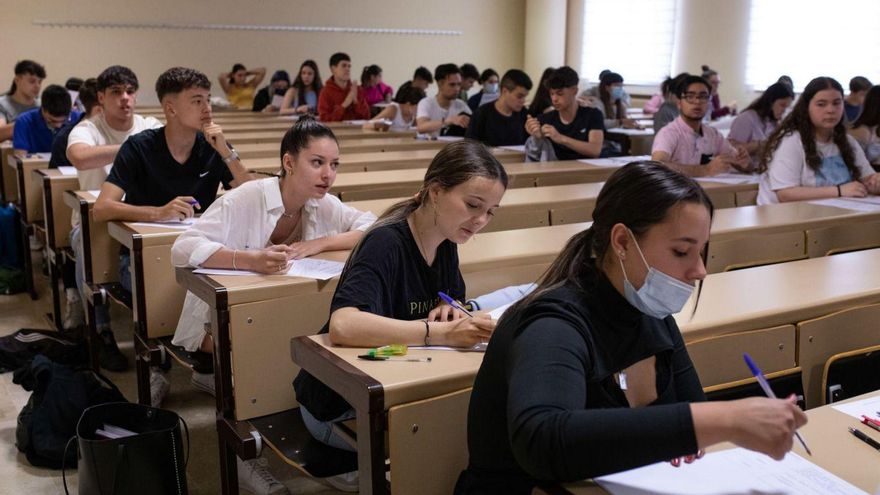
x=452, y=302
x=765, y=386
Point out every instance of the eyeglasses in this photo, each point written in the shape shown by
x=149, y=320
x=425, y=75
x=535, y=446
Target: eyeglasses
x=695, y=97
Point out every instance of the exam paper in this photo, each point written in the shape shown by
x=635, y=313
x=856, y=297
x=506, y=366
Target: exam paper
x=499, y=311
x=65, y=170
x=617, y=161
x=870, y=407
x=481, y=347
x=731, y=178
x=171, y=224
x=730, y=472
x=848, y=204
x=277, y=101
x=308, y=268
x=515, y=147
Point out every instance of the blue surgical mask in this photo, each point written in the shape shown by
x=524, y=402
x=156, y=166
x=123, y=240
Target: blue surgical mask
x=617, y=92
x=490, y=88
x=660, y=296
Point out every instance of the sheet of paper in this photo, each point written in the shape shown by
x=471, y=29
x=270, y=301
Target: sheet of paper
x=847, y=204
x=449, y=138
x=476, y=348
x=730, y=472
x=309, y=268
x=356, y=122
x=94, y=192
x=518, y=147
x=617, y=161
x=873, y=200
x=499, y=311
x=67, y=170
x=632, y=132
x=277, y=101
x=180, y=225
x=731, y=178
x=869, y=407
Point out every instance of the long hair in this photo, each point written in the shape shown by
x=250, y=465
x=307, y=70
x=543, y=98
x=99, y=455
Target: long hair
x=638, y=195
x=235, y=68
x=763, y=105
x=301, y=88
x=613, y=109
x=542, y=95
x=799, y=121
x=368, y=72
x=870, y=115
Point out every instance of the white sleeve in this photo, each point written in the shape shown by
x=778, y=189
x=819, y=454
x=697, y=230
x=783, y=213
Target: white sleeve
x=206, y=236
x=152, y=123
x=424, y=108
x=461, y=107
x=346, y=218
x=81, y=133
x=787, y=164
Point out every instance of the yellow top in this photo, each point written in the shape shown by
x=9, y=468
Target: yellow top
x=241, y=96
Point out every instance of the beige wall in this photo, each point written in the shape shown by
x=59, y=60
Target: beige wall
x=493, y=34
x=545, y=38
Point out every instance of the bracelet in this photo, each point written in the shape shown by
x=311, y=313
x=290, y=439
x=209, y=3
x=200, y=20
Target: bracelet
x=233, y=155
x=234, y=252
x=839, y=193
x=427, y=334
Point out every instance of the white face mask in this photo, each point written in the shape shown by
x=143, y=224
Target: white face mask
x=661, y=295
x=490, y=88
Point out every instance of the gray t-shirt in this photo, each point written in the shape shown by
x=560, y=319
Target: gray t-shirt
x=9, y=108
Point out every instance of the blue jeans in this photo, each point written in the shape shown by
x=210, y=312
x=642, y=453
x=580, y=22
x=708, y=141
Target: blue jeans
x=102, y=314
x=323, y=430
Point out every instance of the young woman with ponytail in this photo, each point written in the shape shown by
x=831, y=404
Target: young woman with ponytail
x=589, y=374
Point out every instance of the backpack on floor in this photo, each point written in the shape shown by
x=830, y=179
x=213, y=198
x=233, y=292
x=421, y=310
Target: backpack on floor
x=19, y=349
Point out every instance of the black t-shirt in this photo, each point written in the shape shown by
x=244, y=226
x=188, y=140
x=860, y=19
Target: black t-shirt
x=150, y=176
x=59, y=145
x=585, y=120
x=388, y=277
x=261, y=100
x=492, y=128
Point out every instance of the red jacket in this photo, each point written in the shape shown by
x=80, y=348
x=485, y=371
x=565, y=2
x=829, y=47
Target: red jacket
x=330, y=103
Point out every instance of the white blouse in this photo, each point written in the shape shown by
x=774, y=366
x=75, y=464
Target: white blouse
x=244, y=218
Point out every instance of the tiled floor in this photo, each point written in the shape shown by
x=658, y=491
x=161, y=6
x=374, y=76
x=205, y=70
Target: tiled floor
x=197, y=409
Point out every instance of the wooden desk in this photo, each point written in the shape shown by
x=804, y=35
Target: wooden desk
x=346, y=146
x=57, y=223
x=342, y=134
x=8, y=184
x=30, y=191
x=101, y=251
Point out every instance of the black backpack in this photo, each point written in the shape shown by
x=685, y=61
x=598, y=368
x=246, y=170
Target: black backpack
x=60, y=395
x=19, y=348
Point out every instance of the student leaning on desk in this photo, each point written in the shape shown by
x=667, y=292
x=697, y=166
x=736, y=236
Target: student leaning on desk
x=598, y=330
x=388, y=291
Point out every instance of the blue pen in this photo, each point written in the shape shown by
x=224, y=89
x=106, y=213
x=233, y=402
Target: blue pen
x=765, y=386
x=194, y=202
x=450, y=301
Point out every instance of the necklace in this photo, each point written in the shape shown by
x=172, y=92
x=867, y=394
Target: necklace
x=418, y=238
x=287, y=215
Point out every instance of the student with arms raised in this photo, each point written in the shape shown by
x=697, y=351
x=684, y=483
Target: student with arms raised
x=589, y=375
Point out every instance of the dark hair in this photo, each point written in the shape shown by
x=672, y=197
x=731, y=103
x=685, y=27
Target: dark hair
x=542, y=95
x=55, y=100
x=515, y=78
x=799, y=121
x=301, y=88
x=235, y=68
x=613, y=109
x=338, y=57
x=115, y=75
x=409, y=94
x=763, y=105
x=485, y=75
x=280, y=75
x=563, y=77
x=368, y=72
x=870, y=115
x=707, y=72
x=859, y=83
x=671, y=84
x=424, y=74
x=73, y=84
x=88, y=94
x=469, y=71
x=177, y=79
x=27, y=67
x=300, y=135
x=638, y=195
x=445, y=70
x=786, y=80
x=689, y=79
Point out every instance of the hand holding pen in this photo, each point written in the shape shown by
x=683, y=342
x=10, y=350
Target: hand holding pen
x=464, y=331
x=765, y=386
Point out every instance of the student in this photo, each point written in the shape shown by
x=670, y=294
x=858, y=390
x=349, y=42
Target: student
x=692, y=147
x=469, y=75
x=342, y=99
x=401, y=112
x=422, y=78
x=376, y=91
x=35, y=128
x=388, y=290
x=277, y=87
x=866, y=128
x=489, y=90
x=239, y=84
x=445, y=113
x=668, y=111
x=22, y=96
x=570, y=131
x=541, y=102
x=92, y=147
x=502, y=123
x=87, y=94
x=302, y=97
x=751, y=128
x=73, y=85
x=601, y=319
x=852, y=104
x=810, y=155
x=716, y=111
x=610, y=100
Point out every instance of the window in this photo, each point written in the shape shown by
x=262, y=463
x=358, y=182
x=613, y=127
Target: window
x=631, y=37
x=810, y=38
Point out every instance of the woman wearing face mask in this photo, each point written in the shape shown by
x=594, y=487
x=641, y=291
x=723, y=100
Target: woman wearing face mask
x=612, y=101
x=599, y=329
x=752, y=127
x=490, y=90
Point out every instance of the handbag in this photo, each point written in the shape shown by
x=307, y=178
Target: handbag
x=150, y=460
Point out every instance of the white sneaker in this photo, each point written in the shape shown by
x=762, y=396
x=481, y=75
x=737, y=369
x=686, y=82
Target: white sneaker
x=74, y=316
x=203, y=382
x=345, y=482
x=159, y=387
x=254, y=476
x=34, y=243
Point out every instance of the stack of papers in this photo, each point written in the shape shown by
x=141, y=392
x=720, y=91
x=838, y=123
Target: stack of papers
x=170, y=224
x=731, y=178
x=308, y=268
x=869, y=407
x=617, y=161
x=869, y=204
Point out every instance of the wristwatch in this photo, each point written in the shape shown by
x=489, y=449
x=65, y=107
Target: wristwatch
x=232, y=156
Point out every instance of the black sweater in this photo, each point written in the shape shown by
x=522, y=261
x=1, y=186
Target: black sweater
x=546, y=407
